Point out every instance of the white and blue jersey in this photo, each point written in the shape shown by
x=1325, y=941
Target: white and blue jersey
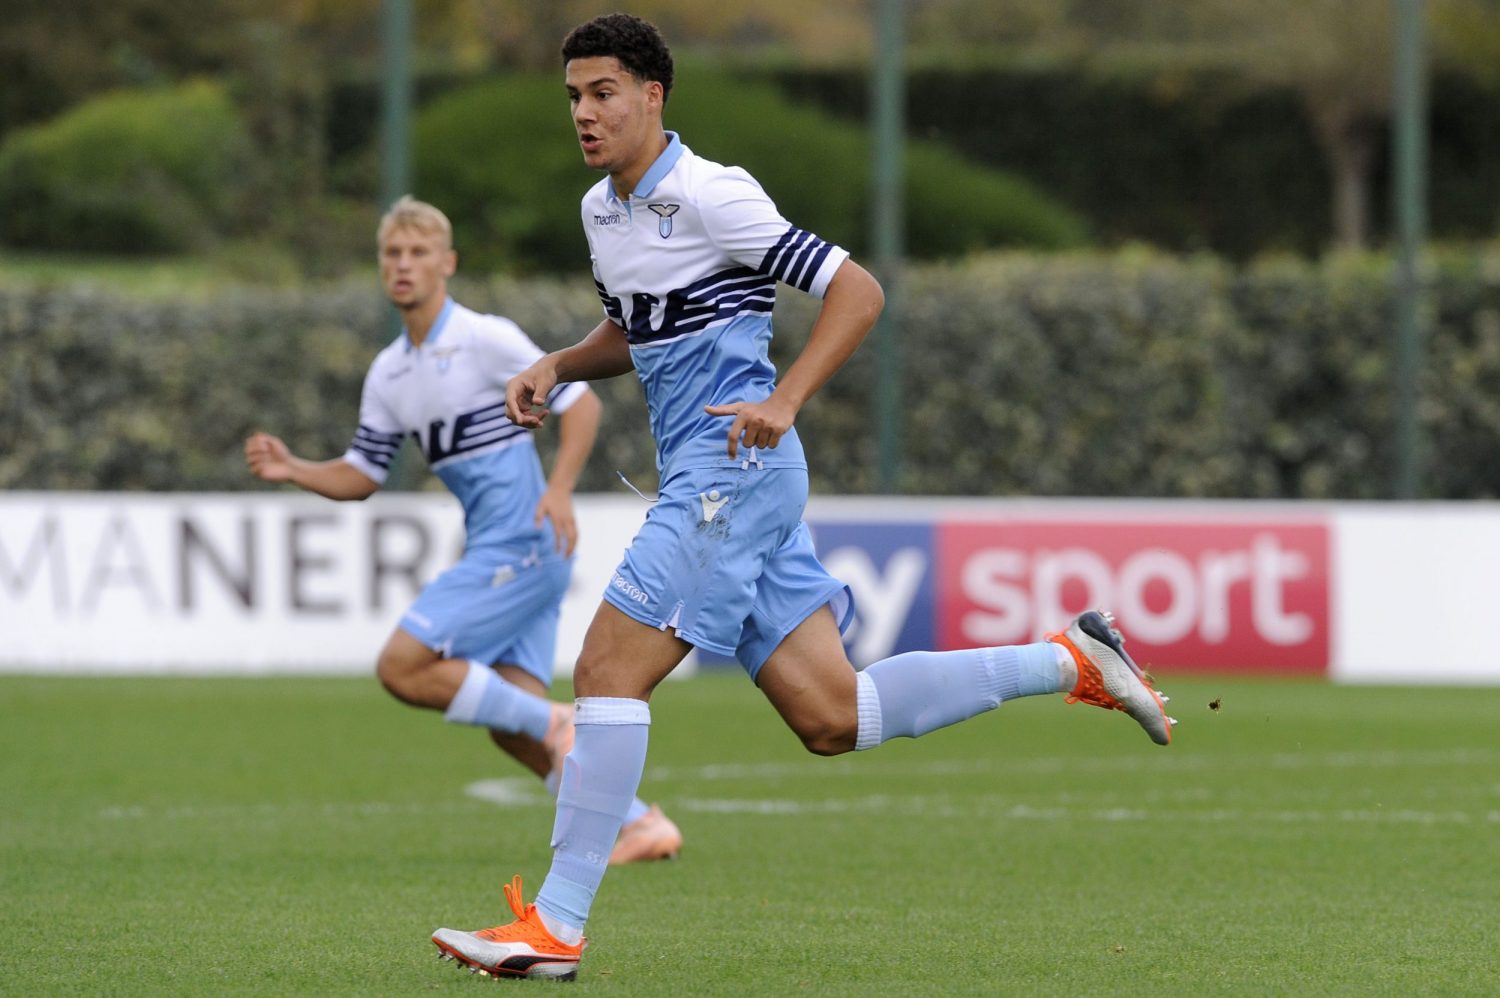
x=688, y=267
x=449, y=395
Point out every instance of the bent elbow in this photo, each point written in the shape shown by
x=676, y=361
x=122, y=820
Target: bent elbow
x=877, y=300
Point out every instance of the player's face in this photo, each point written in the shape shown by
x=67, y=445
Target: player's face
x=415, y=266
x=617, y=117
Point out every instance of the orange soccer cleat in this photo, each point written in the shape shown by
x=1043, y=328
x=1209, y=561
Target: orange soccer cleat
x=524, y=948
x=1108, y=678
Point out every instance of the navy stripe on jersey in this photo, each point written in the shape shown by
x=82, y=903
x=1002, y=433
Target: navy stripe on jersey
x=376, y=447
x=471, y=431
x=611, y=304
x=796, y=258
x=708, y=301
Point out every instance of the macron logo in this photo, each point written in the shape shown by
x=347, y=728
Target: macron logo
x=613, y=218
x=630, y=589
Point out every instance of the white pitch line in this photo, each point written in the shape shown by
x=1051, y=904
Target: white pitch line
x=180, y=812
x=945, y=808
x=526, y=792
x=518, y=792
x=1182, y=762
x=521, y=793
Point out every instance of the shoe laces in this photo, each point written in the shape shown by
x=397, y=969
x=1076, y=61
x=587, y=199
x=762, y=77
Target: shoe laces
x=528, y=926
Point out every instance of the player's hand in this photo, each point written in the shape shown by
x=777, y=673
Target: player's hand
x=756, y=424
x=557, y=505
x=268, y=458
x=526, y=394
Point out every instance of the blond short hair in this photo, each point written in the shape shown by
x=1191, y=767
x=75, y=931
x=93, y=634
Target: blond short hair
x=409, y=213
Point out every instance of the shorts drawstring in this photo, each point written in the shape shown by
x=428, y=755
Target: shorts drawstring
x=632, y=488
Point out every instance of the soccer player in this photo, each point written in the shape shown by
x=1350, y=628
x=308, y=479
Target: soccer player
x=478, y=642
x=686, y=257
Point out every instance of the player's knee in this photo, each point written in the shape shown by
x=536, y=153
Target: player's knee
x=397, y=676
x=596, y=675
x=587, y=673
x=827, y=736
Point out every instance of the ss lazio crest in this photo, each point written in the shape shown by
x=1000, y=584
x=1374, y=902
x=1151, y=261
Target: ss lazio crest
x=444, y=357
x=664, y=213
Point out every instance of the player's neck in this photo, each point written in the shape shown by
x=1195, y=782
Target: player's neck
x=626, y=180
x=419, y=318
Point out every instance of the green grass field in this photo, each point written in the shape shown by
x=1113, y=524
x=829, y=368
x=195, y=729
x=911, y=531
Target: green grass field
x=305, y=836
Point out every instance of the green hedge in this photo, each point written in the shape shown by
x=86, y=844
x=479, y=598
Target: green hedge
x=1123, y=375
x=502, y=159
x=129, y=172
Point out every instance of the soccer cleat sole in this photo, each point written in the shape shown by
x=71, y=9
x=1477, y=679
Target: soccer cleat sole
x=531, y=967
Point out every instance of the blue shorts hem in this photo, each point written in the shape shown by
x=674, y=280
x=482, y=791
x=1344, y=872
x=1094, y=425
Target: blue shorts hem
x=827, y=596
x=638, y=613
x=541, y=673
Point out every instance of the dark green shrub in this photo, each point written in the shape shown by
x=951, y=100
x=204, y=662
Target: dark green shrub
x=501, y=158
x=1132, y=374
x=129, y=172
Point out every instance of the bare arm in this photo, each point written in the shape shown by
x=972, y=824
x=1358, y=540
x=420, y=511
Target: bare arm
x=579, y=426
x=270, y=460
x=850, y=307
x=603, y=353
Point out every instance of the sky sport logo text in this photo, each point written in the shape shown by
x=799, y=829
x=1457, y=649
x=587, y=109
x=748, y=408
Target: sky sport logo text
x=1245, y=594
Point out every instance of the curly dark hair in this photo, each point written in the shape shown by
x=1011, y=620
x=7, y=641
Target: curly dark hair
x=635, y=42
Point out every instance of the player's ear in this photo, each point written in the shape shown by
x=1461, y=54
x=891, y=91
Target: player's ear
x=450, y=263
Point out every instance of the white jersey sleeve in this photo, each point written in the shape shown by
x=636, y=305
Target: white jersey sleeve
x=742, y=221
x=504, y=351
x=379, y=434
x=612, y=310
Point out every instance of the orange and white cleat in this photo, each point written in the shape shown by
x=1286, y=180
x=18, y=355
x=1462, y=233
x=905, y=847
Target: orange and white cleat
x=651, y=836
x=524, y=948
x=1108, y=678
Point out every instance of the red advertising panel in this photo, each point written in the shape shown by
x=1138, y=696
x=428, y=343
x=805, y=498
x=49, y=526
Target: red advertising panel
x=1243, y=594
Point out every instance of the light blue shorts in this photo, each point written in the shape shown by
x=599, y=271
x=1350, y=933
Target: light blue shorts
x=725, y=559
x=496, y=606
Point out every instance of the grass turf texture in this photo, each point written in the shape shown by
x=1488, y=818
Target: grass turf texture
x=260, y=836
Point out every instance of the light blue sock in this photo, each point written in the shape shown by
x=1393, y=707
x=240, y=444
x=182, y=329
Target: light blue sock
x=487, y=700
x=600, y=777
x=638, y=807
x=908, y=695
x=1041, y=668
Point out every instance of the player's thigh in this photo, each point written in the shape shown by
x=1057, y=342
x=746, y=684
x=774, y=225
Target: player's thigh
x=810, y=682
x=622, y=657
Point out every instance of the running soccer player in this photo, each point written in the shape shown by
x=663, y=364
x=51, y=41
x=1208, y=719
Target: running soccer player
x=686, y=257
x=478, y=642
